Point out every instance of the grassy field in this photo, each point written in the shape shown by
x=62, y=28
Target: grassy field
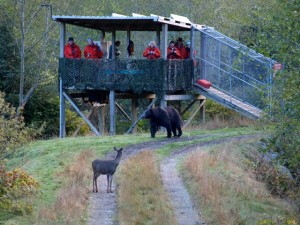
x=226, y=189
x=63, y=169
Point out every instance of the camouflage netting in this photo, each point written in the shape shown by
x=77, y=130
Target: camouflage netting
x=135, y=75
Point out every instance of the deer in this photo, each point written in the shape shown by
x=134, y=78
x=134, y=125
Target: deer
x=107, y=167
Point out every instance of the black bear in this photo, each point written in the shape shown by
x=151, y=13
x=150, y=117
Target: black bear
x=167, y=117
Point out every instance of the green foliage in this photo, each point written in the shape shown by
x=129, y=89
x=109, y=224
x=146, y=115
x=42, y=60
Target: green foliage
x=213, y=110
x=277, y=180
x=12, y=130
x=73, y=121
x=283, y=221
x=16, y=190
x=278, y=37
x=8, y=61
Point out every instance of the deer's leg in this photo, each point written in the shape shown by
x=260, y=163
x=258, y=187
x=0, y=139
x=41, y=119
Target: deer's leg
x=107, y=183
x=95, y=182
x=110, y=182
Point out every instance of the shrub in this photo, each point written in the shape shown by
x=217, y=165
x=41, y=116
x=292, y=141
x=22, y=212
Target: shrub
x=12, y=130
x=16, y=190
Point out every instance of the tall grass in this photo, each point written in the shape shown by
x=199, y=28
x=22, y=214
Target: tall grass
x=219, y=123
x=227, y=194
x=142, y=199
x=71, y=201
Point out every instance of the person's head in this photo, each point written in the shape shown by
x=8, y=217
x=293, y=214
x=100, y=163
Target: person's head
x=71, y=40
x=90, y=41
x=152, y=44
x=131, y=43
x=188, y=44
x=117, y=43
x=172, y=44
x=180, y=41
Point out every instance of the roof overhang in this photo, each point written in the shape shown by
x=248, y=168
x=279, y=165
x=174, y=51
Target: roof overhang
x=124, y=23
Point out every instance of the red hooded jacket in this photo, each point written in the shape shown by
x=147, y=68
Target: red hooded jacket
x=182, y=51
x=72, y=51
x=151, y=53
x=92, y=52
x=173, y=53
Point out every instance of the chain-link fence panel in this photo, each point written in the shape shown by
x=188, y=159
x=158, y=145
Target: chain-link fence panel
x=233, y=68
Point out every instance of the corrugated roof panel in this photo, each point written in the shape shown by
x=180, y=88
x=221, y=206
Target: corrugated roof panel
x=137, y=22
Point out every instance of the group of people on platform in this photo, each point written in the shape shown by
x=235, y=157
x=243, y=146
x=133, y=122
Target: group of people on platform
x=175, y=50
x=178, y=50
x=93, y=51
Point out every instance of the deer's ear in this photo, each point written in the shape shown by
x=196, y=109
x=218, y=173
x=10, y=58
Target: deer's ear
x=115, y=148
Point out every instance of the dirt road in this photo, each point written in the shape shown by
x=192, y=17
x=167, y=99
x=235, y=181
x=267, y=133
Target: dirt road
x=103, y=206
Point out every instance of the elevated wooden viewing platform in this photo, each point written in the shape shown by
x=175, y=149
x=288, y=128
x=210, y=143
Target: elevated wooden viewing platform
x=240, y=77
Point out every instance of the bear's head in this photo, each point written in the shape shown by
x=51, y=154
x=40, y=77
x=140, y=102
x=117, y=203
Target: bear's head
x=148, y=114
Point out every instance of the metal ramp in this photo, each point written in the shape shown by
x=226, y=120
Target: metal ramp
x=229, y=102
x=241, y=78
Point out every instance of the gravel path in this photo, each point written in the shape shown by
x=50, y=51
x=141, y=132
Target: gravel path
x=184, y=209
x=103, y=206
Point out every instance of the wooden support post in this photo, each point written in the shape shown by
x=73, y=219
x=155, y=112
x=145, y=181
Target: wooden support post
x=102, y=36
x=127, y=41
x=164, y=41
x=62, y=111
x=101, y=119
x=134, y=112
x=163, y=101
x=202, y=111
x=113, y=40
x=62, y=106
x=158, y=39
x=112, y=113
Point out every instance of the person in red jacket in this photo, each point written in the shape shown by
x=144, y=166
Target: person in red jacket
x=152, y=52
x=188, y=49
x=172, y=51
x=92, y=50
x=72, y=51
x=179, y=44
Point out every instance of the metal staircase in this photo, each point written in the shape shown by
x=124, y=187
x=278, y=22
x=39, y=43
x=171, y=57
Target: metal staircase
x=241, y=78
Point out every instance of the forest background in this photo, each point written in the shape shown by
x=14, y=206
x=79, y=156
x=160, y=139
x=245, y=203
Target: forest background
x=29, y=52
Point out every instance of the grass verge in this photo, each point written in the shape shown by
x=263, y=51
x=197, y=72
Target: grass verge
x=47, y=162
x=71, y=201
x=228, y=194
x=142, y=199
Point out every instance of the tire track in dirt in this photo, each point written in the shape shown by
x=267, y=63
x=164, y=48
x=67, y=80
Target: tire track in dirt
x=184, y=209
x=103, y=206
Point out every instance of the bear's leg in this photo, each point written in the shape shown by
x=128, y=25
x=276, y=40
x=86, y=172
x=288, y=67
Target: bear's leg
x=169, y=132
x=179, y=131
x=174, y=130
x=153, y=130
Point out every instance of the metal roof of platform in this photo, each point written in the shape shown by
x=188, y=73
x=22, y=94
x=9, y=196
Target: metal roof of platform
x=136, y=22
